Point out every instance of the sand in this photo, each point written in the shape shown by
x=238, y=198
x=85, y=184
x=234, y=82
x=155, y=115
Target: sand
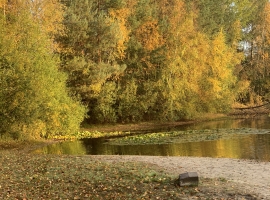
x=253, y=176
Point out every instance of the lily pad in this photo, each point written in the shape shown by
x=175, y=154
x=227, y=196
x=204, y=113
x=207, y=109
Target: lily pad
x=184, y=136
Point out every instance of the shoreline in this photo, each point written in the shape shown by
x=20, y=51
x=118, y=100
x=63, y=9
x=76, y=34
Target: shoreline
x=155, y=125
x=229, y=175
x=239, y=175
x=250, y=175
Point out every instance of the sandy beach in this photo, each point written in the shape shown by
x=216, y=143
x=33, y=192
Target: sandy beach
x=250, y=175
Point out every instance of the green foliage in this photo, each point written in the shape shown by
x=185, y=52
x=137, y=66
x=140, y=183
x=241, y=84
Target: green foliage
x=157, y=60
x=92, y=51
x=104, y=111
x=128, y=61
x=129, y=108
x=229, y=15
x=256, y=65
x=34, y=100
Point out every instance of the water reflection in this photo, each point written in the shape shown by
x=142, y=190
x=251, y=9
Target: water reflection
x=259, y=122
x=243, y=146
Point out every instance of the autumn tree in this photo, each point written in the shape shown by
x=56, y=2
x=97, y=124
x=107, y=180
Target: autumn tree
x=220, y=80
x=197, y=71
x=49, y=15
x=170, y=73
x=34, y=100
x=155, y=60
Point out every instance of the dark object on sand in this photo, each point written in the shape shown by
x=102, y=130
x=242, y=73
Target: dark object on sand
x=189, y=179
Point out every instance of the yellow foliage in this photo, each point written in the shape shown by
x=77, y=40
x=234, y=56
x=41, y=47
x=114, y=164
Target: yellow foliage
x=49, y=13
x=216, y=88
x=237, y=30
x=221, y=63
x=243, y=86
x=267, y=21
x=148, y=35
x=96, y=88
x=120, y=16
x=176, y=14
x=2, y=3
x=131, y=4
x=34, y=130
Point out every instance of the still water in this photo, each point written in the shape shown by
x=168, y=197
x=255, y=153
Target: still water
x=239, y=145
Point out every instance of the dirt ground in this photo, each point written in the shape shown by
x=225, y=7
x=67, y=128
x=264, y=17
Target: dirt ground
x=247, y=176
x=25, y=175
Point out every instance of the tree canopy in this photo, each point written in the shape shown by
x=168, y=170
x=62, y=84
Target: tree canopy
x=128, y=60
x=34, y=99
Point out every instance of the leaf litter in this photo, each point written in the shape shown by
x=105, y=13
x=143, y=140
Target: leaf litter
x=30, y=176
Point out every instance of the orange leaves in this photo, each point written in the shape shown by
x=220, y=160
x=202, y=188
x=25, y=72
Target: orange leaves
x=2, y=3
x=176, y=13
x=120, y=16
x=149, y=36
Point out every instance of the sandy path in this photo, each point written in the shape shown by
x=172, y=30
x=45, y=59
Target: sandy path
x=255, y=176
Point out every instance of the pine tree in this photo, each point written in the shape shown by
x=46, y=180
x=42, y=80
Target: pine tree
x=229, y=15
x=94, y=47
x=138, y=87
x=254, y=44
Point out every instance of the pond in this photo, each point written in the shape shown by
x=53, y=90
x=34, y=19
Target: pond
x=243, y=138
